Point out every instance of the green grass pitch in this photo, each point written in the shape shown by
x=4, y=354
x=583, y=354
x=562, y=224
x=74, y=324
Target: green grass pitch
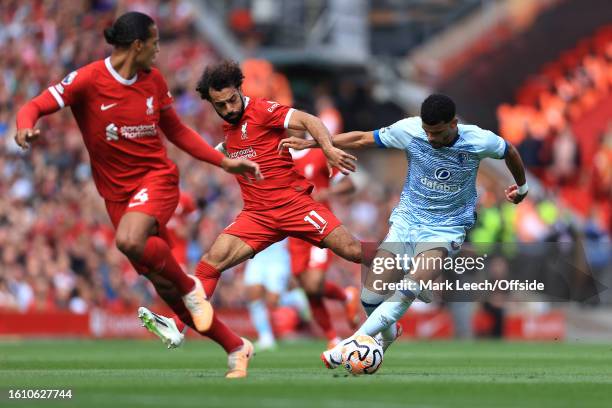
x=414, y=374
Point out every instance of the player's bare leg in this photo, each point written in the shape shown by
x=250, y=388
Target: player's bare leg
x=345, y=245
x=150, y=254
x=225, y=252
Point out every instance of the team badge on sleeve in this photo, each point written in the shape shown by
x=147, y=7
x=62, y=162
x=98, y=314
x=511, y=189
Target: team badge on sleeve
x=69, y=78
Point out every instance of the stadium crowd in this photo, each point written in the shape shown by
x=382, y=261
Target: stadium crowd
x=56, y=242
x=550, y=110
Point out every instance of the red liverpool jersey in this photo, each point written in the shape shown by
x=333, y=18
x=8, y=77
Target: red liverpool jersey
x=312, y=164
x=256, y=138
x=119, y=120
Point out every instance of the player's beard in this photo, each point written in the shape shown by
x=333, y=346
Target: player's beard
x=234, y=117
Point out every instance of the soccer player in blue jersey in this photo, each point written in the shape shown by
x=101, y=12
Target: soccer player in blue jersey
x=435, y=209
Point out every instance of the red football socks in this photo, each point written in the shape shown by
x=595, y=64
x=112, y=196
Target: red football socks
x=179, y=323
x=333, y=291
x=158, y=257
x=209, y=277
x=321, y=316
x=218, y=331
x=224, y=336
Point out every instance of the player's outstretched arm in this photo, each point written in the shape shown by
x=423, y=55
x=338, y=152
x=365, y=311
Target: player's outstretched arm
x=335, y=157
x=190, y=142
x=355, y=140
x=516, y=192
x=349, y=140
x=29, y=114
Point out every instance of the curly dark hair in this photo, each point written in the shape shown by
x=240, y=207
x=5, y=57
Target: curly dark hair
x=218, y=76
x=437, y=108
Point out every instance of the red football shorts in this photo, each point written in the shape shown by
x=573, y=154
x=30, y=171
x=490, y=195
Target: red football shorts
x=155, y=196
x=305, y=256
x=302, y=218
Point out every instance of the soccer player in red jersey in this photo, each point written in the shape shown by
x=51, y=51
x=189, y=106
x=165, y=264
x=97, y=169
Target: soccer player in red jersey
x=278, y=206
x=120, y=104
x=308, y=262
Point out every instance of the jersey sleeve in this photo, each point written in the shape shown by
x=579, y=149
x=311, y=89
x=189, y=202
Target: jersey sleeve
x=399, y=134
x=488, y=144
x=71, y=89
x=275, y=115
x=336, y=177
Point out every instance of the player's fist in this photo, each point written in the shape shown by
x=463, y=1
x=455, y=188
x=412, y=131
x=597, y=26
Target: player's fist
x=340, y=159
x=513, y=195
x=245, y=167
x=295, y=143
x=26, y=136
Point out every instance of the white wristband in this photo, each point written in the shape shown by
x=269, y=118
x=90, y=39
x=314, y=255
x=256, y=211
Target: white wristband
x=522, y=190
x=221, y=147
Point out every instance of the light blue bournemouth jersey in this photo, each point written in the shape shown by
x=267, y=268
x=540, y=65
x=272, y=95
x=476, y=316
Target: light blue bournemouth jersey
x=440, y=187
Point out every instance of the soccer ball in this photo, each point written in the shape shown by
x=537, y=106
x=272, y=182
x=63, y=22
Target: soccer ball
x=361, y=355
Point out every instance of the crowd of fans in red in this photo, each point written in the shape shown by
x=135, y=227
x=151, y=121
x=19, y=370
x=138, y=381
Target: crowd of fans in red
x=561, y=123
x=56, y=242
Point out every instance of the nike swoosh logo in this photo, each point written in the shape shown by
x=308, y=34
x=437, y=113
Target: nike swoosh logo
x=130, y=205
x=106, y=107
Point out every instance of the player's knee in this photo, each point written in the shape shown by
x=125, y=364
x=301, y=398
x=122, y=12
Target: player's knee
x=214, y=259
x=129, y=246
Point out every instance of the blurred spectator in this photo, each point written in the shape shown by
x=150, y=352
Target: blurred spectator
x=56, y=243
x=548, y=107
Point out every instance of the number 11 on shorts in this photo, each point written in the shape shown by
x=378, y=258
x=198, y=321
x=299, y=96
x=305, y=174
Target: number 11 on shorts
x=316, y=220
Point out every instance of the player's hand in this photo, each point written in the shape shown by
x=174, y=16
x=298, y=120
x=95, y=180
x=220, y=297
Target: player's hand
x=248, y=169
x=320, y=194
x=341, y=160
x=295, y=143
x=512, y=194
x=26, y=136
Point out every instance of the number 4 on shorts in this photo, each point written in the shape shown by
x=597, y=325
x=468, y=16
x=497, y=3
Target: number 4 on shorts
x=140, y=198
x=316, y=220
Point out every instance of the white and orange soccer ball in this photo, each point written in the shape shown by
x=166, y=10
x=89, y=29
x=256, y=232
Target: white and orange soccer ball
x=361, y=355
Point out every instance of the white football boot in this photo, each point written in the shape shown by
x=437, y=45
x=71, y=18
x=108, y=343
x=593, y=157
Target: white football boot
x=162, y=327
x=332, y=358
x=385, y=343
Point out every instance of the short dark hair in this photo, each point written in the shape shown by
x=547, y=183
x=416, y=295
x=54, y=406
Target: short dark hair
x=218, y=76
x=437, y=108
x=128, y=28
